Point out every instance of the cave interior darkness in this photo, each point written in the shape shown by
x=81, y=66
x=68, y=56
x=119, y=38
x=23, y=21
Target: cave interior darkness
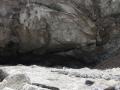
x=47, y=60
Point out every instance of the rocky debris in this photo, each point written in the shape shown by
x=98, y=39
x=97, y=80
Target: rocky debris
x=42, y=78
x=94, y=73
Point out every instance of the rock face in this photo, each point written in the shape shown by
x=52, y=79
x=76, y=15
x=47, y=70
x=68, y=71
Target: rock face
x=40, y=26
x=36, y=27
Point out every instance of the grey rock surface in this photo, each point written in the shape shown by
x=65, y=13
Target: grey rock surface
x=32, y=26
x=44, y=26
x=109, y=7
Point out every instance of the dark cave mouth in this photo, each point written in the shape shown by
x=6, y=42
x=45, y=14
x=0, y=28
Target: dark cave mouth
x=47, y=60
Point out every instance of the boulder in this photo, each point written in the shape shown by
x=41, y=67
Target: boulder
x=35, y=27
x=16, y=81
x=89, y=28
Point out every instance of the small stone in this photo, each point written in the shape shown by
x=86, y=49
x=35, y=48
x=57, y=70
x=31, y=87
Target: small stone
x=89, y=83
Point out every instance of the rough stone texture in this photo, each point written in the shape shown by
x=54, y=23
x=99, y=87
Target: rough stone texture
x=43, y=26
x=63, y=30
x=109, y=7
x=43, y=78
x=32, y=26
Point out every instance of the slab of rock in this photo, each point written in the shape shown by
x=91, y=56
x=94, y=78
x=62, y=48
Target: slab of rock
x=15, y=81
